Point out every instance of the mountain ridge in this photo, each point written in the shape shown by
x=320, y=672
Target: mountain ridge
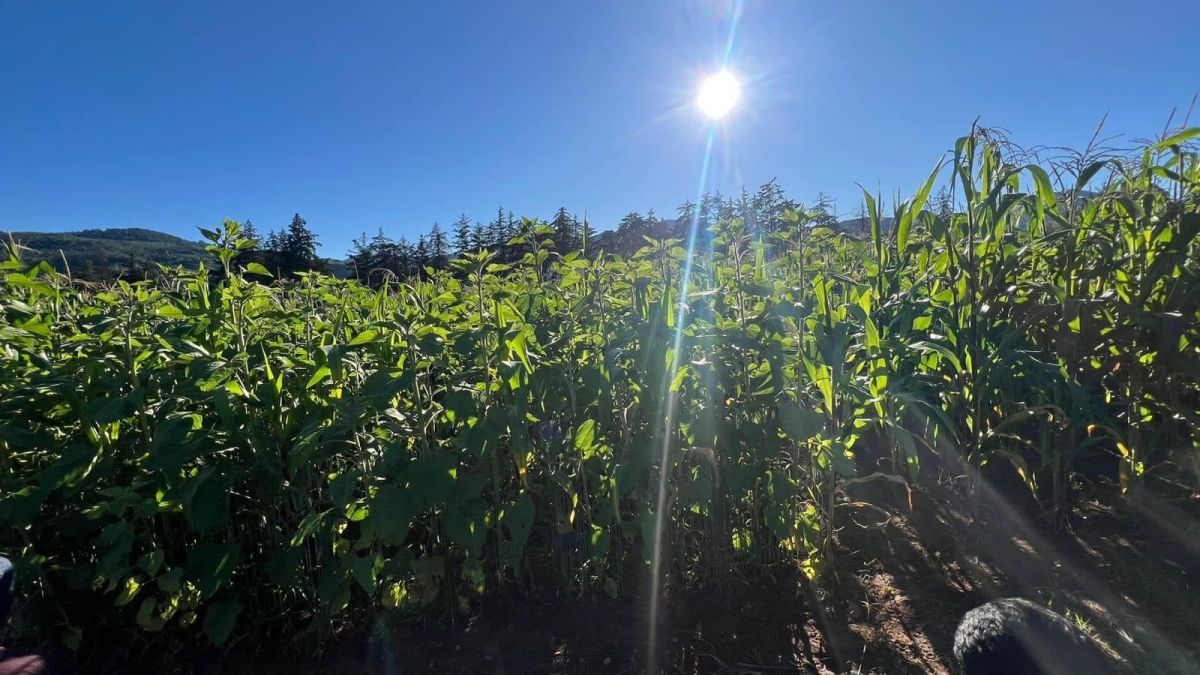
x=98, y=252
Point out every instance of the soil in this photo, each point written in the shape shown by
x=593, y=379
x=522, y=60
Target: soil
x=907, y=575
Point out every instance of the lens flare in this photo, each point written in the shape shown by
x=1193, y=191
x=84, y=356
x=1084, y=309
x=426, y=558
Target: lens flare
x=718, y=94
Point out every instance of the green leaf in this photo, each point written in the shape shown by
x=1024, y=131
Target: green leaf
x=317, y=377
x=585, y=437
x=366, y=571
x=381, y=387
x=914, y=209
x=518, y=522
x=1178, y=139
x=147, y=619
x=129, y=591
x=210, y=566
x=1088, y=173
x=466, y=510
x=430, y=479
x=116, y=408
x=392, y=513
x=800, y=424
x=465, y=525
x=334, y=586
x=207, y=507
x=311, y=524
x=220, y=619
x=259, y=269
x=169, y=449
x=518, y=347
x=873, y=216
x=1042, y=181
x=152, y=561
x=459, y=404
x=929, y=346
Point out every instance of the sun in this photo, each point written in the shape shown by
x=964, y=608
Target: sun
x=718, y=94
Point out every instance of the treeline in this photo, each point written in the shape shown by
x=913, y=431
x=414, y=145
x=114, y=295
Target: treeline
x=376, y=258
x=372, y=259
x=133, y=254
x=284, y=252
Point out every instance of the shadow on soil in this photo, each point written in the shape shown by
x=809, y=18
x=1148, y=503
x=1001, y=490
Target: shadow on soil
x=906, y=575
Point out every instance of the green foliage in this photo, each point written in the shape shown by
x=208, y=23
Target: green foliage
x=243, y=457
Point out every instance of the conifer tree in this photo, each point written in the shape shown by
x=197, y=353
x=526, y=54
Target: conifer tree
x=566, y=231
x=360, y=257
x=299, y=247
x=478, y=238
x=496, y=237
x=510, y=227
x=439, y=247
x=421, y=253
x=462, y=235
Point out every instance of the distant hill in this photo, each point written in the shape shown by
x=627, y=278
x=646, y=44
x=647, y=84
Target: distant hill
x=103, y=254
x=96, y=252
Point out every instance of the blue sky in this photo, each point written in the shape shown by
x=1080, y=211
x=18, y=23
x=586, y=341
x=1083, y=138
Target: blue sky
x=173, y=115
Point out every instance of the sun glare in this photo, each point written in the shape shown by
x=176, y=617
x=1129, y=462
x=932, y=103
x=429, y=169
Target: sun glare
x=718, y=94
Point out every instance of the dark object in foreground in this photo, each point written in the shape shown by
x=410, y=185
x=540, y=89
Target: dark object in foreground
x=7, y=585
x=13, y=665
x=1012, y=635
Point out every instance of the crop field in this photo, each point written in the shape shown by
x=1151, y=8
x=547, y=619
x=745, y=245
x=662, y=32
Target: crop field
x=217, y=457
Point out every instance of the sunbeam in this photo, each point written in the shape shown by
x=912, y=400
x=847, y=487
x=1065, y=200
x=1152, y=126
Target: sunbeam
x=669, y=416
x=729, y=95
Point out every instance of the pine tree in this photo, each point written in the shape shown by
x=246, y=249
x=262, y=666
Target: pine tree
x=826, y=211
x=299, y=247
x=744, y=209
x=420, y=256
x=496, y=237
x=254, y=253
x=710, y=209
x=439, y=247
x=766, y=205
x=462, y=235
x=631, y=233
x=271, y=252
x=250, y=232
x=360, y=258
x=478, y=238
x=686, y=211
x=383, y=259
x=510, y=227
x=566, y=230
x=657, y=228
x=406, y=258
x=943, y=203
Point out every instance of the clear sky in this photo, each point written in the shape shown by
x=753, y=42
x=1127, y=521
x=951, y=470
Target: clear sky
x=360, y=115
